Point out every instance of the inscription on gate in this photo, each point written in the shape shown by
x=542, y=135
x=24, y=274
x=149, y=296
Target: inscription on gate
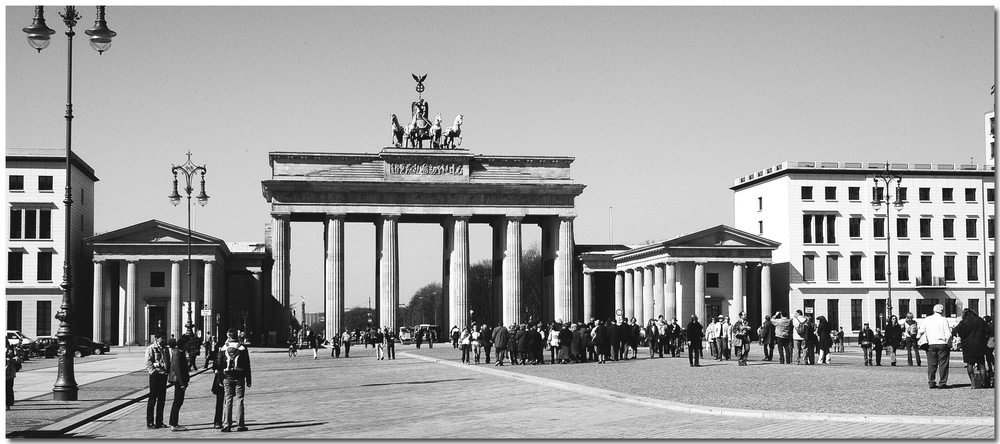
x=427, y=168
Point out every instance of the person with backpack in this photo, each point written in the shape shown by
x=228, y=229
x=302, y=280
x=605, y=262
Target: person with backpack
x=800, y=329
x=912, y=348
x=234, y=362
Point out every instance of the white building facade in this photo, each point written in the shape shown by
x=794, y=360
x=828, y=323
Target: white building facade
x=36, y=239
x=838, y=255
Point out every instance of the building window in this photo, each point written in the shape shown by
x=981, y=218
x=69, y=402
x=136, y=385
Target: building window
x=833, y=313
x=948, y=194
x=44, y=323
x=904, y=307
x=949, y=228
x=819, y=228
x=902, y=228
x=30, y=224
x=45, y=224
x=990, y=197
x=878, y=227
x=760, y=227
x=712, y=280
x=990, y=230
x=925, y=194
x=854, y=193
x=970, y=194
x=807, y=193
x=45, y=266
x=925, y=228
x=854, y=226
x=831, y=193
x=831, y=228
x=973, y=268
x=878, y=193
x=44, y=183
x=880, y=267
x=903, y=268
x=16, y=183
x=808, y=270
x=901, y=194
x=832, y=268
x=949, y=268
x=13, y=315
x=15, y=266
x=925, y=269
x=157, y=279
x=974, y=305
x=991, y=269
x=855, y=314
x=807, y=228
x=760, y=204
x=855, y=267
x=970, y=228
x=15, y=224
x=925, y=307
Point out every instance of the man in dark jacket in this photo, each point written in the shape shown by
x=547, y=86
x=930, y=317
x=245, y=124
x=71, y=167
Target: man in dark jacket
x=500, y=337
x=694, y=334
x=615, y=334
x=893, y=338
x=974, y=332
x=234, y=362
x=179, y=376
x=522, y=338
x=767, y=338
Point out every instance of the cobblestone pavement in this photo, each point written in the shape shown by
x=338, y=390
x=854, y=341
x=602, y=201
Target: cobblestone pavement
x=420, y=397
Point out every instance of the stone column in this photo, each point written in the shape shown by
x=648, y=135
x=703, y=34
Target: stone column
x=176, y=320
x=389, y=271
x=647, y=295
x=208, y=301
x=619, y=293
x=765, y=289
x=98, y=301
x=511, y=270
x=659, y=300
x=629, y=294
x=737, y=303
x=563, y=272
x=670, y=310
x=699, y=292
x=457, y=228
x=333, y=272
x=588, y=296
x=280, y=289
x=128, y=307
x=637, y=295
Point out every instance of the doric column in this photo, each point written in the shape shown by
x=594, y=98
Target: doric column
x=737, y=304
x=389, y=271
x=280, y=239
x=208, y=300
x=659, y=307
x=98, y=301
x=619, y=293
x=457, y=232
x=637, y=304
x=699, y=292
x=511, y=270
x=563, y=272
x=333, y=271
x=128, y=309
x=765, y=289
x=629, y=294
x=588, y=296
x=670, y=308
x=176, y=321
x=647, y=295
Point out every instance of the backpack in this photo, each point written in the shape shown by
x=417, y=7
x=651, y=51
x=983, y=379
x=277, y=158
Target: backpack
x=803, y=328
x=232, y=354
x=911, y=329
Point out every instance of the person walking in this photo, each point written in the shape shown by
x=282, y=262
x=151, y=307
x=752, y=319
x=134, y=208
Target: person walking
x=725, y=337
x=158, y=367
x=474, y=335
x=974, y=333
x=878, y=345
x=741, y=338
x=218, y=387
x=811, y=342
x=652, y=338
x=346, y=339
x=695, y=333
x=866, y=338
x=313, y=342
x=234, y=362
x=486, y=341
x=455, y=333
x=893, y=337
x=824, y=334
x=937, y=333
x=179, y=376
x=465, y=341
x=192, y=348
x=390, y=342
x=911, y=330
x=615, y=338
x=633, y=337
x=209, y=350
x=782, y=333
x=840, y=340
x=501, y=336
x=712, y=334
x=662, y=345
x=990, y=345
x=677, y=337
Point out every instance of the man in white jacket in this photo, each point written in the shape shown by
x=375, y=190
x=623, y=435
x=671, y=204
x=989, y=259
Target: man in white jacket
x=936, y=331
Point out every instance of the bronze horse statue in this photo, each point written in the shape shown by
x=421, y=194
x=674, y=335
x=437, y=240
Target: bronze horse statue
x=397, y=132
x=454, y=131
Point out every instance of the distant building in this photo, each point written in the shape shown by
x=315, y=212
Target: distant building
x=834, y=259
x=36, y=236
x=991, y=143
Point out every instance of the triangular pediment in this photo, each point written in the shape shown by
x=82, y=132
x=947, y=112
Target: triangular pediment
x=721, y=236
x=153, y=232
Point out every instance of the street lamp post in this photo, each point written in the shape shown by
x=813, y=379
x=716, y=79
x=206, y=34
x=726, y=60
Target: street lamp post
x=189, y=170
x=886, y=177
x=66, y=388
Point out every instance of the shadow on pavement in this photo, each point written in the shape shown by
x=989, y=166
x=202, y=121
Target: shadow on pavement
x=415, y=382
x=283, y=425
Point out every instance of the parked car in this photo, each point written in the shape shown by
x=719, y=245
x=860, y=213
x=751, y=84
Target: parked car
x=49, y=347
x=14, y=335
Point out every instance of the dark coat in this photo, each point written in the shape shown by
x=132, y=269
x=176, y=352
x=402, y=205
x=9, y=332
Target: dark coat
x=500, y=337
x=179, y=368
x=695, y=332
x=893, y=335
x=768, y=335
x=615, y=333
x=603, y=339
x=974, y=333
x=633, y=337
x=823, y=331
x=866, y=335
x=522, y=339
x=578, y=343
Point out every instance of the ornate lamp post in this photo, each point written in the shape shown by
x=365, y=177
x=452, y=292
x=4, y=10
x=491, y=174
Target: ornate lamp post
x=189, y=170
x=65, y=388
x=886, y=177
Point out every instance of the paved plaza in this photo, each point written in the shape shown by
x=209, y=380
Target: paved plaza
x=428, y=393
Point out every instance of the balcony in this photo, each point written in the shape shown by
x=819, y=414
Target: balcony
x=931, y=281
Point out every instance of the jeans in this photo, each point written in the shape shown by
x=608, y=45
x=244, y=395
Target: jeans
x=466, y=348
x=235, y=388
x=175, y=406
x=799, y=345
x=784, y=350
x=713, y=345
x=347, y=349
x=937, y=361
x=10, y=392
x=693, y=355
x=769, y=351
x=912, y=349
x=157, y=398
x=220, y=400
x=866, y=351
x=390, y=350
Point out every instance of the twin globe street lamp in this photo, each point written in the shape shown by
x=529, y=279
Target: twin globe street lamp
x=886, y=177
x=65, y=388
x=189, y=170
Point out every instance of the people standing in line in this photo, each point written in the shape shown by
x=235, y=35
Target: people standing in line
x=500, y=338
x=633, y=338
x=552, y=341
x=974, y=333
x=866, y=339
x=455, y=333
x=179, y=376
x=13, y=365
x=538, y=343
x=590, y=350
x=523, y=346
x=799, y=334
x=615, y=337
x=389, y=336
x=741, y=338
x=695, y=333
x=346, y=338
x=937, y=333
x=234, y=362
x=578, y=343
x=825, y=338
x=158, y=367
x=911, y=330
x=782, y=336
x=893, y=334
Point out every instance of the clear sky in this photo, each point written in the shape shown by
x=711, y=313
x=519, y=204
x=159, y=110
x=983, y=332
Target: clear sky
x=662, y=107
